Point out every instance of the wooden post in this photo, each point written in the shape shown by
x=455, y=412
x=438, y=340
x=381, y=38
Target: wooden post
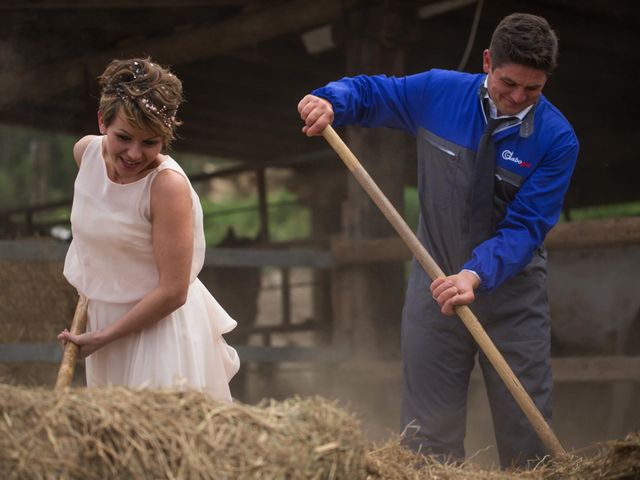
x=369, y=298
x=324, y=202
x=285, y=295
x=40, y=153
x=265, y=236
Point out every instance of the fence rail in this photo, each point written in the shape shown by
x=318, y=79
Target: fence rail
x=565, y=369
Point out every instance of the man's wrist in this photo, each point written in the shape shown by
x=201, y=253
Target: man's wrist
x=475, y=278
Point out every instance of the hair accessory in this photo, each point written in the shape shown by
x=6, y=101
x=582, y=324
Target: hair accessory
x=162, y=112
x=165, y=115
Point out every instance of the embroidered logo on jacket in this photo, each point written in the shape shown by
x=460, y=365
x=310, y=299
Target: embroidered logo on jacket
x=508, y=155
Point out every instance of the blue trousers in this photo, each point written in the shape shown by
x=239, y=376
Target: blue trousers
x=439, y=354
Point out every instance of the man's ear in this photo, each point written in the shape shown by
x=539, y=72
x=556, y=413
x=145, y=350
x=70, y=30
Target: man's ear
x=486, y=61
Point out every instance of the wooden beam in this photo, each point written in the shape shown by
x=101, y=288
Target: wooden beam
x=32, y=251
x=248, y=153
x=52, y=353
x=595, y=233
x=116, y=4
x=35, y=251
x=239, y=147
x=438, y=8
x=256, y=257
x=565, y=369
x=361, y=252
x=241, y=74
x=567, y=235
x=589, y=369
x=595, y=369
x=69, y=118
x=231, y=107
x=233, y=103
x=261, y=139
x=174, y=49
x=288, y=58
x=242, y=119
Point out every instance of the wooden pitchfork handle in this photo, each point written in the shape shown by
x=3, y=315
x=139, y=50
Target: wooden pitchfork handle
x=68, y=364
x=464, y=312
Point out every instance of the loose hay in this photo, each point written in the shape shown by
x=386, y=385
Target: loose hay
x=120, y=433
x=615, y=460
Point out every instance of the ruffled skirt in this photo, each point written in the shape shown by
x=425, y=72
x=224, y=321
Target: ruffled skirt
x=183, y=350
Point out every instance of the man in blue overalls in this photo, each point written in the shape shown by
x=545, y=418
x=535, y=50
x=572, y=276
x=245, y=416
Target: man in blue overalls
x=494, y=162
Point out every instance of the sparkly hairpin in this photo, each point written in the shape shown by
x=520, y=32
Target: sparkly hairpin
x=164, y=114
x=137, y=70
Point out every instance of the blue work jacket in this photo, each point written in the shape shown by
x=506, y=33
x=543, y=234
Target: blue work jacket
x=443, y=109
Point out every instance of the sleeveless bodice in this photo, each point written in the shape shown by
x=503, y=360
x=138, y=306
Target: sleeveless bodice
x=111, y=255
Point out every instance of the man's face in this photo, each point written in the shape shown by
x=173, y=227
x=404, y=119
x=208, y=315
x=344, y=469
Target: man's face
x=513, y=87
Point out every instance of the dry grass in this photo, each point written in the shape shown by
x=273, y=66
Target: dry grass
x=120, y=433
x=615, y=460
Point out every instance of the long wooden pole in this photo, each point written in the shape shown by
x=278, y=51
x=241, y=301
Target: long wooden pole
x=464, y=312
x=68, y=364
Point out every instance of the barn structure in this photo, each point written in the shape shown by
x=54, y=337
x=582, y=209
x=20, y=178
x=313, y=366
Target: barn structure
x=245, y=65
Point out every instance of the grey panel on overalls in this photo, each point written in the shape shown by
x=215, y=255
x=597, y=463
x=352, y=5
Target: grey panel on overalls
x=438, y=352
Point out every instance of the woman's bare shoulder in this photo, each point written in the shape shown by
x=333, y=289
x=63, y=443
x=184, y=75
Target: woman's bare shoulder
x=169, y=190
x=169, y=184
x=80, y=147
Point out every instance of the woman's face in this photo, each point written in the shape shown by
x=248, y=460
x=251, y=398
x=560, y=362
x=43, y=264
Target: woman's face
x=130, y=153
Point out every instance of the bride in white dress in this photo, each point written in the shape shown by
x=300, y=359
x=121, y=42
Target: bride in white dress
x=138, y=246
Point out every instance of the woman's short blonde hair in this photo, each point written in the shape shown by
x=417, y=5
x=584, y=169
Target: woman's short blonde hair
x=144, y=93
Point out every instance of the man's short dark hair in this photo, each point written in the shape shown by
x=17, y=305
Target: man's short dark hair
x=526, y=40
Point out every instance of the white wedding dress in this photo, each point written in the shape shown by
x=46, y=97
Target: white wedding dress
x=110, y=261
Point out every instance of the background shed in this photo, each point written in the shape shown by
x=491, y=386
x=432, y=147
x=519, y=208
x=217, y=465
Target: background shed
x=331, y=298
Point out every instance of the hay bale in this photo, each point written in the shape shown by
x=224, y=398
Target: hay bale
x=36, y=301
x=393, y=461
x=120, y=433
x=614, y=460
